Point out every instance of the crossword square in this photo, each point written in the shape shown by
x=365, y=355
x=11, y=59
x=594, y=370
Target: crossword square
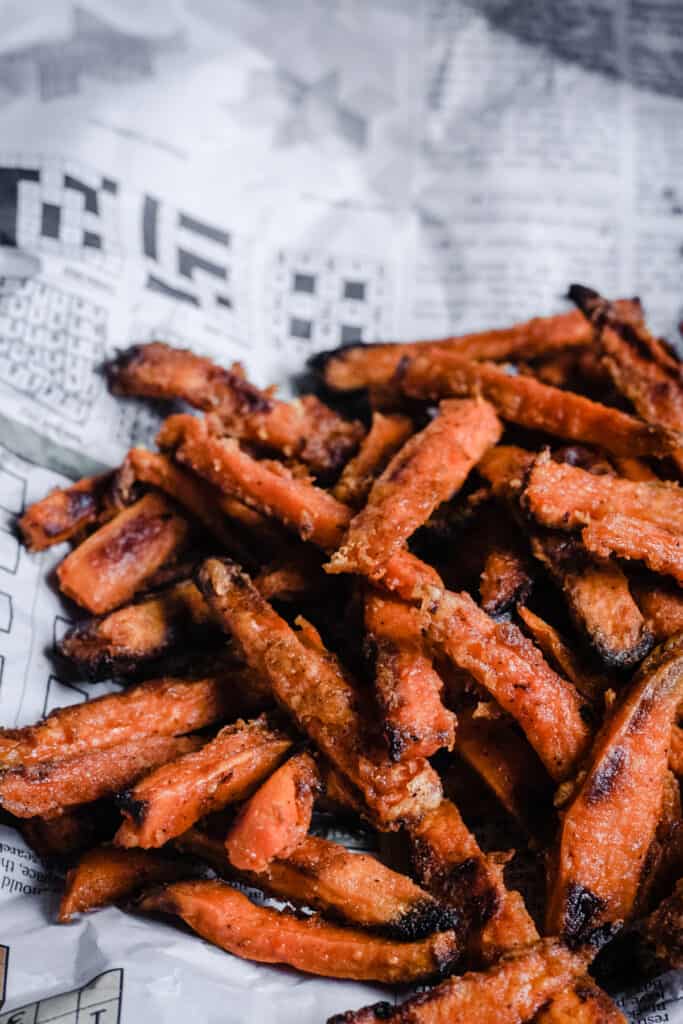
x=304, y=283
x=300, y=328
x=9, y=551
x=350, y=335
x=354, y=290
x=50, y=221
x=12, y=491
x=5, y=612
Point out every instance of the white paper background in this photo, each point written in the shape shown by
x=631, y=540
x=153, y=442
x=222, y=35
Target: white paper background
x=166, y=169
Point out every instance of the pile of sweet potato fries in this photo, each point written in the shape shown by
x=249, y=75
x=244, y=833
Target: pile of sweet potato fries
x=480, y=582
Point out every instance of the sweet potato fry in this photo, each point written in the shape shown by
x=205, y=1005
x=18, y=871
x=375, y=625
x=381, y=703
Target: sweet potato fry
x=322, y=701
x=512, y=669
x=361, y=366
x=114, y=563
x=306, y=429
x=408, y=689
x=108, y=875
x=608, y=826
x=634, y=469
x=676, y=752
x=589, y=684
x=295, y=575
x=277, y=817
x=450, y=864
x=228, y=768
x=510, y=992
x=505, y=761
x=506, y=577
x=65, y=512
x=126, y=639
x=61, y=837
x=159, y=707
x=426, y=471
x=352, y=887
x=584, y=1002
x=537, y=406
x=661, y=605
x=225, y=917
x=383, y=440
x=48, y=787
x=658, y=548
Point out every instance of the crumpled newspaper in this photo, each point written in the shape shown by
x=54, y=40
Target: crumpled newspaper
x=261, y=181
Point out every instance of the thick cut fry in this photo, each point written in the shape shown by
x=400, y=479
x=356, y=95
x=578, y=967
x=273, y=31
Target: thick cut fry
x=608, y=827
x=71, y=832
x=583, y=1003
x=501, y=756
x=589, y=684
x=361, y=366
x=505, y=579
x=450, y=864
x=426, y=471
x=385, y=437
x=306, y=429
x=108, y=875
x=676, y=753
x=322, y=701
x=510, y=992
x=408, y=689
x=529, y=403
x=352, y=887
x=598, y=597
x=662, y=606
x=114, y=563
x=159, y=707
x=512, y=669
x=65, y=512
x=277, y=817
x=120, y=643
x=225, y=917
x=169, y=801
x=47, y=788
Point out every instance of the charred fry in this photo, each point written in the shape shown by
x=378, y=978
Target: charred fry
x=383, y=440
x=225, y=917
x=589, y=684
x=64, y=513
x=505, y=579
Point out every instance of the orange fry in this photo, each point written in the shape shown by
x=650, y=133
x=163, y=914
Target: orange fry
x=506, y=577
x=662, y=606
x=227, y=769
x=312, y=688
x=608, y=827
x=408, y=689
x=108, y=568
x=65, y=512
x=589, y=685
x=277, y=817
x=582, y=1003
x=385, y=437
x=660, y=549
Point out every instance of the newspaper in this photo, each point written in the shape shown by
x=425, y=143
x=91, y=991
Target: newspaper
x=261, y=181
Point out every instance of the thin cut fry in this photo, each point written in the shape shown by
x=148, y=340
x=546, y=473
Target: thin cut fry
x=529, y=403
x=64, y=512
x=589, y=684
x=510, y=992
x=224, y=916
x=609, y=825
x=108, y=568
x=385, y=437
x=512, y=669
x=319, y=696
x=47, y=788
x=427, y=470
x=362, y=366
x=277, y=817
x=305, y=429
x=662, y=606
x=505, y=579
x=660, y=549
x=408, y=689
x=126, y=639
x=169, y=801
x=107, y=875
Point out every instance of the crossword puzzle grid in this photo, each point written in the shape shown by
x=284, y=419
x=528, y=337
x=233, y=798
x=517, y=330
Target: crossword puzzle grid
x=50, y=342
x=98, y=1002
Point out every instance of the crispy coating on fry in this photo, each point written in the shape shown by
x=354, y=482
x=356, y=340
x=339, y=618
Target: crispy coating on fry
x=224, y=916
x=608, y=827
x=512, y=669
x=305, y=429
x=361, y=366
x=107, y=875
x=676, y=752
x=227, y=769
x=385, y=437
x=537, y=406
x=657, y=547
x=589, y=684
x=322, y=701
x=426, y=471
x=108, y=568
x=506, y=577
x=661, y=605
x=126, y=639
x=296, y=574
x=348, y=886
x=48, y=787
x=408, y=689
x=450, y=864
x=510, y=992
x=276, y=818
x=64, y=512
x=505, y=761
x=584, y=1002
x=159, y=707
